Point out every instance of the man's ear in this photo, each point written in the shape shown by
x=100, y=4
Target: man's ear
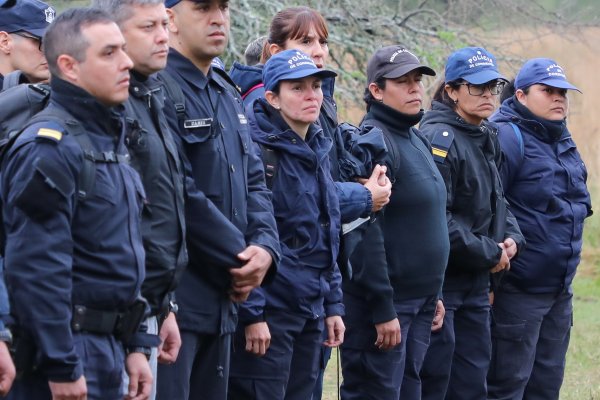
x=172, y=16
x=68, y=67
x=6, y=43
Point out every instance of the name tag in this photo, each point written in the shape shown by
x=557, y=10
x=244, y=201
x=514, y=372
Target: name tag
x=197, y=123
x=242, y=118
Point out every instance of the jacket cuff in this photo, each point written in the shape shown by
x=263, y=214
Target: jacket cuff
x=65, y=373
x=142, y=339
x=336, y=309
x=383, y=310
x=369, y=208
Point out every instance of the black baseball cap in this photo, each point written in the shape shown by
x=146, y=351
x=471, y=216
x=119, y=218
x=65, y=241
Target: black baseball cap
x=392, y=62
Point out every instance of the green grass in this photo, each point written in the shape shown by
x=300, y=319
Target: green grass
x=582, y=376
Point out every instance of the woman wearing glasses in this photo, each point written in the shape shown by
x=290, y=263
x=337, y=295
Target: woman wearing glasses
x=545, y=182
x=483, y=234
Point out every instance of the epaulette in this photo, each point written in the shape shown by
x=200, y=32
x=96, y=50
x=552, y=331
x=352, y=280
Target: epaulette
x=226, y=81
x=50, y=132
x=440, y=144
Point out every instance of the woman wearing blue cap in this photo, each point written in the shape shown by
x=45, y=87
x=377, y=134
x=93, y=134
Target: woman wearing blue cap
x=544, y=179
x=292, y=311
x=484, y=235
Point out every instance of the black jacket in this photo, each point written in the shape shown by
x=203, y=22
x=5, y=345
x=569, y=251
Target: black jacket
x=154, y=155
x=405, y=251
x=473, y=185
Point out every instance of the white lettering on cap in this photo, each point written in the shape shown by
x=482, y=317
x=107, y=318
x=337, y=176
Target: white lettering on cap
x=556, y=70
x=300, y=59
x=480, y=60
x=397, y=53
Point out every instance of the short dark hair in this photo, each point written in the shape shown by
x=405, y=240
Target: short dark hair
x=64, y=35
x=368, y=97
x=441, y=95
x=254, y=50
x=121, y=10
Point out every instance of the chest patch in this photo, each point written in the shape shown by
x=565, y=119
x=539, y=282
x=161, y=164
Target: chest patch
x=197, y=123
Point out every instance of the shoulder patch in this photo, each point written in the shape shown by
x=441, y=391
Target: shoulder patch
x=440, y=144
x=51, y=134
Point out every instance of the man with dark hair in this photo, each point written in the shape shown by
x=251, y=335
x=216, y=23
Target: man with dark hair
x=72, y=205
x=221, y=158
x=21, y=29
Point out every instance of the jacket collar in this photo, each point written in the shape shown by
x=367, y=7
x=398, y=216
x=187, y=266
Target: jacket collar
x=92, y=114
x=178, y=63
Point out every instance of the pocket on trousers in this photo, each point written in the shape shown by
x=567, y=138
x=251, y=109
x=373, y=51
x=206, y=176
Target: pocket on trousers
x=509, y=352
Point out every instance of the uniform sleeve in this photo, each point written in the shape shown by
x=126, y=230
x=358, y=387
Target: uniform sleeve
x=252, y=310
x=262, y=228
x=333, y=300
x=355, y=200
x=370, y=273
x=510, y=155
x=475, y=252
x=38, y=189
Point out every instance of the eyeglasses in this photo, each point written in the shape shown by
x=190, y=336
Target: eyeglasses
x=495, y=87
x=27, y=36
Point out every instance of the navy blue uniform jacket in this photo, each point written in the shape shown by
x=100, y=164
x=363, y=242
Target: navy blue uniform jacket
x=223, y=163
x=547, y=191
x=355, y=199
x=308, y=281
x=470, y=172
x=60, y=251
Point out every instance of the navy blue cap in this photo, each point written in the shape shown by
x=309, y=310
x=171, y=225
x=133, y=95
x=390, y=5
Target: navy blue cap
x=473, y=64
x=544, y=71
x=32, y=16
x=171, y=3
x=7, y=3
x=288, y=65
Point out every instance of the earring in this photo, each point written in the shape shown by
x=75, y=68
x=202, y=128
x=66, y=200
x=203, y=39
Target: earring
x=456, y=101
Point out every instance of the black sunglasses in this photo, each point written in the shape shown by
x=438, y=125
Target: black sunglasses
x=28, y=36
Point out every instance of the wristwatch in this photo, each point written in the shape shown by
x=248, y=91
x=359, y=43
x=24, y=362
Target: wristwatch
x=173, y=307
x=6, y=336
x=147, y=351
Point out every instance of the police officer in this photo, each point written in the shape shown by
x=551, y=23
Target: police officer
x=484, y=235
x=154, y=155
x=21, y=29
x=545, y=182
x=72, y=205
x=215, y=140
x=399, y=266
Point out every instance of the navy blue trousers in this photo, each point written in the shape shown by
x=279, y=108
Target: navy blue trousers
x=325, y=355
x=458, y=357
x=530, y=338
x=290, y=367
x=370, y=373
x=201, y=370
x=103, y=361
